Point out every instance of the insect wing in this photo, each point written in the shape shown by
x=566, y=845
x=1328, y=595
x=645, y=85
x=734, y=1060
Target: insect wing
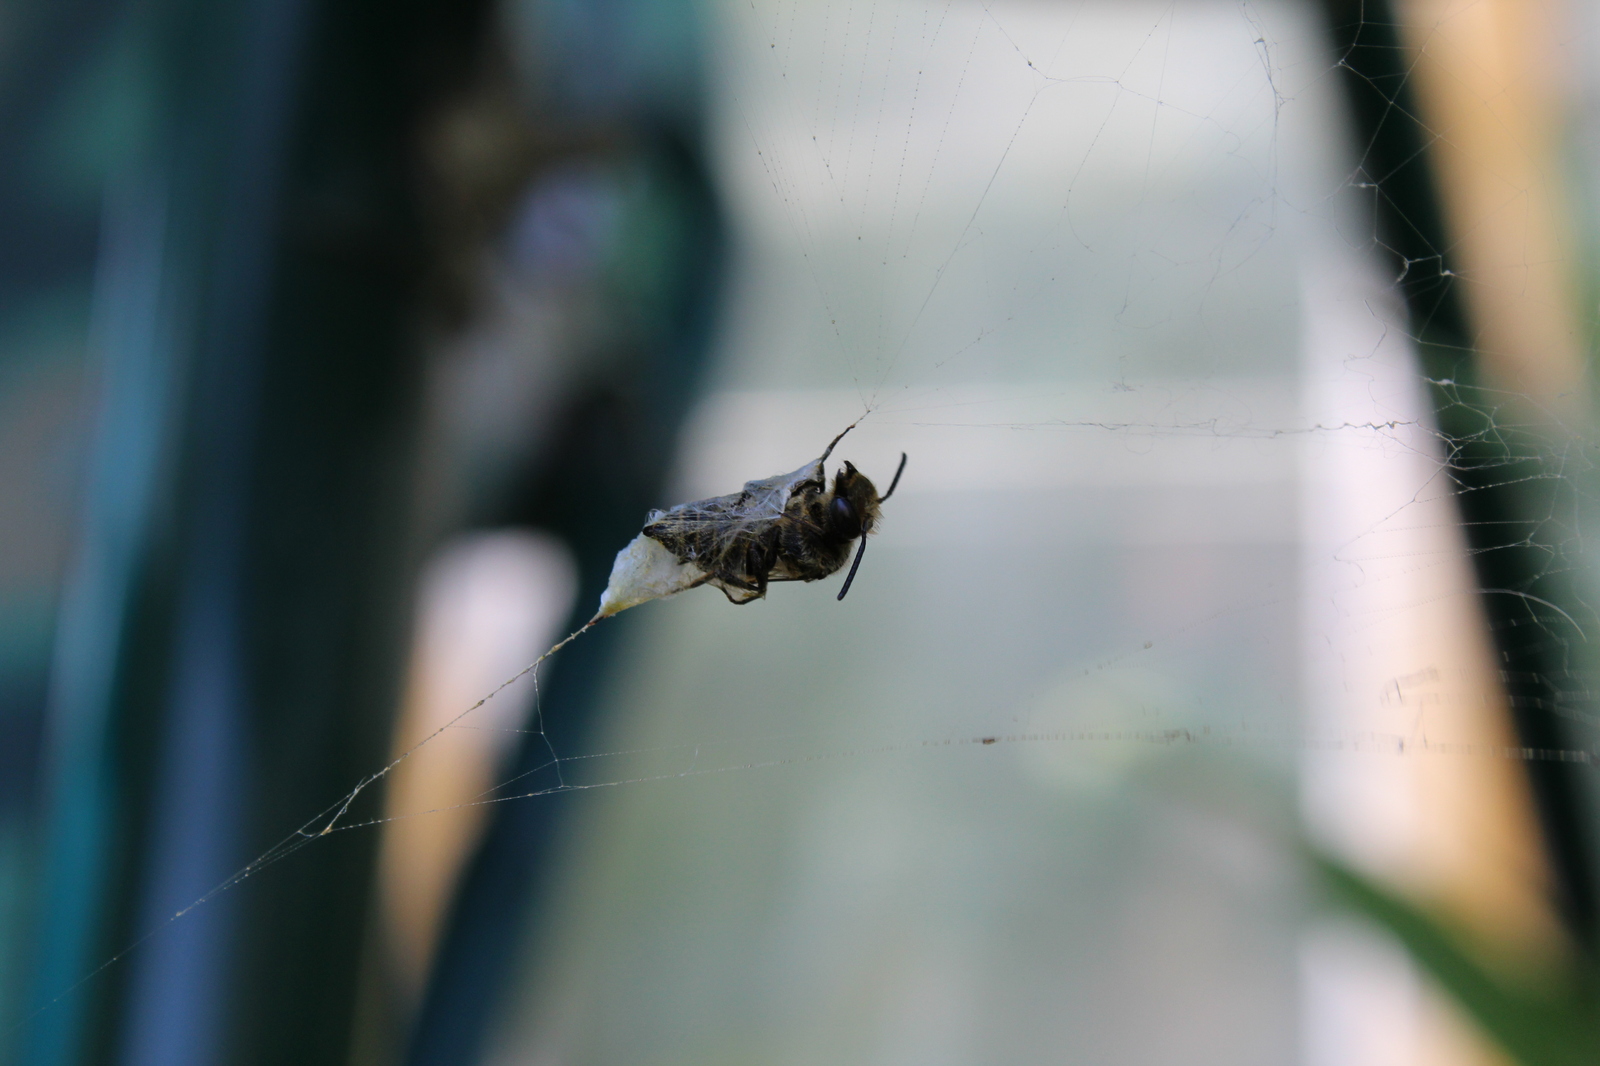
x=693, y=529
x=769, y=498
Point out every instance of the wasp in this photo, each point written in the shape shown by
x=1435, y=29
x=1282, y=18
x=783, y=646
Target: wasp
x=792, y=527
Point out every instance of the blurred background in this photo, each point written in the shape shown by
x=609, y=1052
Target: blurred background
x=1218, y=690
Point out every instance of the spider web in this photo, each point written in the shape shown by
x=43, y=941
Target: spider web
x=1182, y=544
x=1180, y=551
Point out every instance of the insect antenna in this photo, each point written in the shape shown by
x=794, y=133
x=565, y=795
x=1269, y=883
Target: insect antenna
x=898, y=471
x=854, y=566
x=863, y=549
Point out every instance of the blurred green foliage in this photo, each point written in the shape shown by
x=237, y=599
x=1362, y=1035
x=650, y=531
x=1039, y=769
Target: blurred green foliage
x=1555, y=1026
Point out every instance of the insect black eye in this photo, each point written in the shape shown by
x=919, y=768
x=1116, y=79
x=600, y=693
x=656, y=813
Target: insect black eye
x=844, y=516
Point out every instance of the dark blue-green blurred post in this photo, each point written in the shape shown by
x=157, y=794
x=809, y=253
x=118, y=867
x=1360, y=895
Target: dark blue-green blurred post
x=227, y=653
x=58, y=140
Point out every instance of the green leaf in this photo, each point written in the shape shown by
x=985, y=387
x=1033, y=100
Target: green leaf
x=1535, y=1029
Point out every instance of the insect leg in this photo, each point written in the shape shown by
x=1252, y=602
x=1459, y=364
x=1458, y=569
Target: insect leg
x=761, y=557
x=727, y=577
x=739, y=600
